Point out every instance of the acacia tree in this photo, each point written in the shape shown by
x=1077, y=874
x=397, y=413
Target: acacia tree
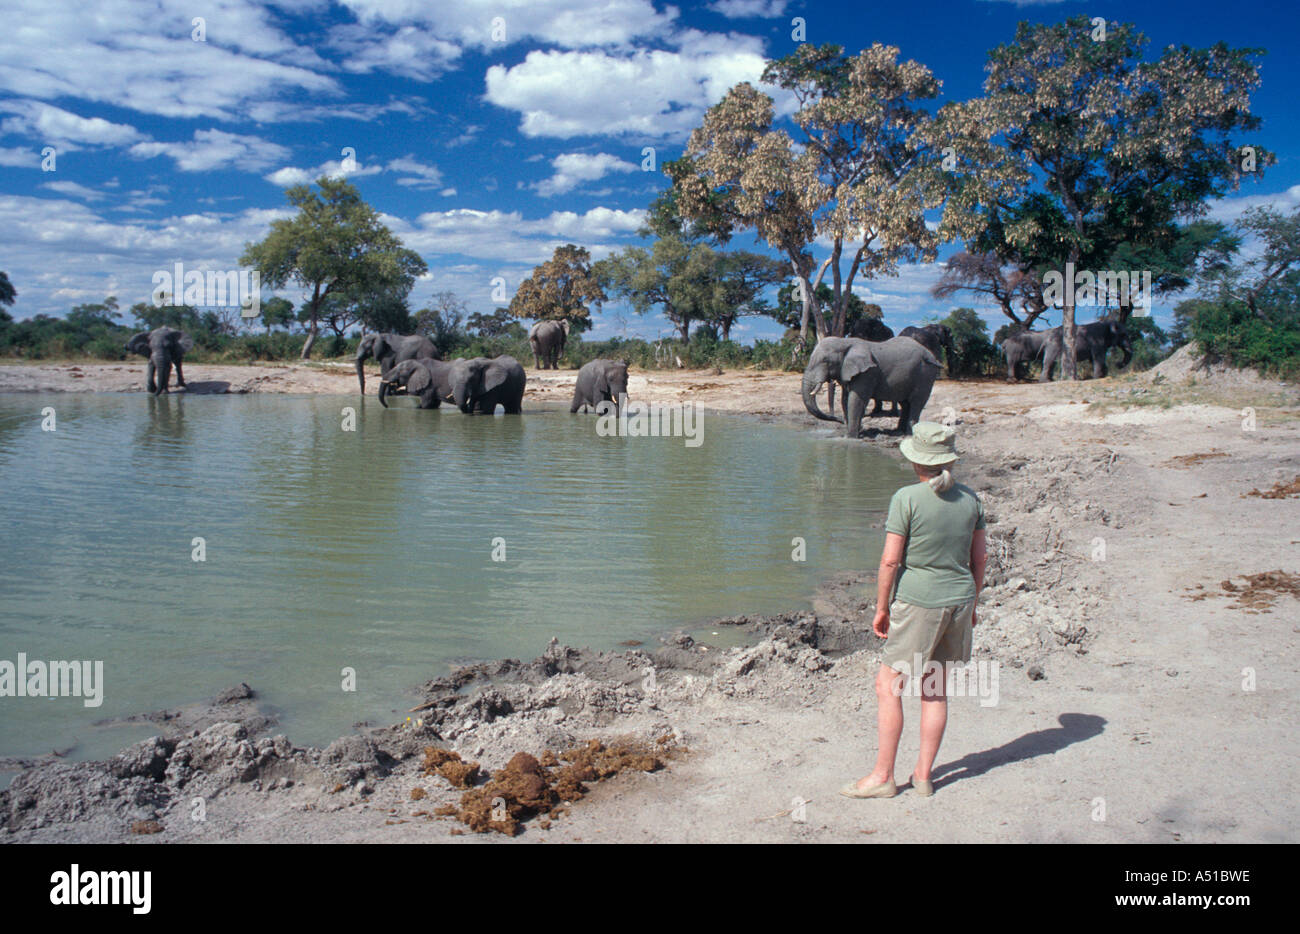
x=336, y=248
x=1077, y=146
x=859, y=175
x=562, y=288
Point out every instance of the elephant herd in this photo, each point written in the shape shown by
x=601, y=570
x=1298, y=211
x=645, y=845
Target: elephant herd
x=1091, y=344
x=412, y=366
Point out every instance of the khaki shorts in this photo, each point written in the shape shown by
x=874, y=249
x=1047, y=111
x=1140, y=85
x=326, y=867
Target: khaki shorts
x=919, y=634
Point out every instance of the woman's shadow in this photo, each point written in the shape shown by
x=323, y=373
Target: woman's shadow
x=1074, y=728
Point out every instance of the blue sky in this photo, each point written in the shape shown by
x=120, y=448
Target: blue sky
x=483, y=152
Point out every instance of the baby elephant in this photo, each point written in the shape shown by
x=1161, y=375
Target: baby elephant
x=165, y=347
x=430, y=380
x=600, y=381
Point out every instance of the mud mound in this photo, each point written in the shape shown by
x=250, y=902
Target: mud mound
x=450, y=766
x=529, y=787
x=1281, y=490
x=1259, y=593
x=1184, y=461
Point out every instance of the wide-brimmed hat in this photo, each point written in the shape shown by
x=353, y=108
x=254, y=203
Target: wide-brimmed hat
x=930, y=444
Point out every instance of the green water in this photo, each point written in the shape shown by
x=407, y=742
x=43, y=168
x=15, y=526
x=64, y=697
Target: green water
x=373, y=549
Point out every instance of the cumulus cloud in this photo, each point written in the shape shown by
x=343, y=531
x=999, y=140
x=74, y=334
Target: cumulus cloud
x=215, y=149
x=653, y=94
x=49, y=124
x=574, y=168
x=335, y=168
x=1230, y=209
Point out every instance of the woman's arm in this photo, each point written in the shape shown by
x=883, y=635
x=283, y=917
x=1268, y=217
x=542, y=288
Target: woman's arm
x=978, y=559
x=891, y=559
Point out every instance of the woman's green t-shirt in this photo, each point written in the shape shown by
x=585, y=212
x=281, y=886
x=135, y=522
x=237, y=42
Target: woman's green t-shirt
x=936, y=558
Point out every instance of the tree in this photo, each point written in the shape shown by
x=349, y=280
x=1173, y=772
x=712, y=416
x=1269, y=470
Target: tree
x=971, y=348
x=860, y=174
x=984, y=273
x=670, y=275
x=740, y=278
x=789, y=308
x=1248, y=309
x=7, y=292
x=1077, y=146
x=277, y=312
x=441, y=322
x=85, y=316
x=498, y=324
x=562, y=288
x=334, y=246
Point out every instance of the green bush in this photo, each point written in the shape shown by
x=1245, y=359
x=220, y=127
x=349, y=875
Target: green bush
x=1229, y=330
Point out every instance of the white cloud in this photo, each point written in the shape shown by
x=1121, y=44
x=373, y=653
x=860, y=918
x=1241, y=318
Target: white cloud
x=448, y=192
x=215, y=149
x=507, y=238
x=652, y=94
x=418, y=175
x=66, y=130
x=408, y=51
x=72, y=189
x=748, y=9
x=141, y=56
x=1230, y=209
x=292, y=175
x=15, y=157
x=566, y=23
x=574, y=168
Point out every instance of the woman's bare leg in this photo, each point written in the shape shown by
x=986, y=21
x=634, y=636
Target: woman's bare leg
x=889, y=686
x=934, y=718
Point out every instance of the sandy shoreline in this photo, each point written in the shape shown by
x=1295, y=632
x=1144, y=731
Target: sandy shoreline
x=1120, y=705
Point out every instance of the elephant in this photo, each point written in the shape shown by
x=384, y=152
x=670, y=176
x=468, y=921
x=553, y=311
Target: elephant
x=391, y=349
x=547, y=338
x=600, y=381
x=430, y=380
x=479, y=384
x=1092, y=341
x=1024, y=347
x=933, y=337
x=897, y=370
x=165, y=347
x=871, y=329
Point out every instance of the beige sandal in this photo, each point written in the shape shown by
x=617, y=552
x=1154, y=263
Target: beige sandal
x=922, y=787
x=883, y=790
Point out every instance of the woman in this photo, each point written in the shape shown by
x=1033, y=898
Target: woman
x=934, y=555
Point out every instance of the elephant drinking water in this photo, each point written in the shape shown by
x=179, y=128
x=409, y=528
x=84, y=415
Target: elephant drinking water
x=430, y=380
x=600, y=381
x=480, y=384
x=391, y=349
x=897, y=370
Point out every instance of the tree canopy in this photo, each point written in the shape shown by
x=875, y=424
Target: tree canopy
x=336, y=248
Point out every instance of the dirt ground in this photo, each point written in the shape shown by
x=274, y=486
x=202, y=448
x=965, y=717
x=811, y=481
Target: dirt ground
x=1141, y=619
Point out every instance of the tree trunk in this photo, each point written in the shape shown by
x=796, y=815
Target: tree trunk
x=1069, y=362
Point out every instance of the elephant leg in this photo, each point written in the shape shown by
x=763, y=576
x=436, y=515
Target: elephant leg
x=853, y=414
x=180, y=377
x=905, y=422
x=150, y=384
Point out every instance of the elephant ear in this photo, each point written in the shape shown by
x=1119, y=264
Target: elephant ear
x=139, y=343
x=856, y=362
x=184, y=341
x=381, y=347
x=494, y=375
x=564, y=326
x=418, y=378
x=602, y=379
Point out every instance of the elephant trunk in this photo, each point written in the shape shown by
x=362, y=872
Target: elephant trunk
x=810, y=386
x=361, y=373
x=163, y=374
x=383, y=391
